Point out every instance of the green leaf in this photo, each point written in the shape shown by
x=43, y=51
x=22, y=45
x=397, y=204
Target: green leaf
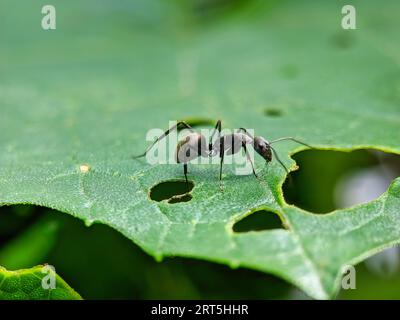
x=88, y=92
x=26, y=284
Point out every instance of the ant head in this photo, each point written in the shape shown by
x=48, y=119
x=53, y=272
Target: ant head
x=263, y=148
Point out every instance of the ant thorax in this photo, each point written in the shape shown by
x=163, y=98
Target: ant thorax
x=232, y=143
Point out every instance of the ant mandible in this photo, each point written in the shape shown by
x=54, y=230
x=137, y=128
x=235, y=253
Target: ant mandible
x=194, y=145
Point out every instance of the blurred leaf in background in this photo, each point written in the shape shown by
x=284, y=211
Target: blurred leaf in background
x=31, y=246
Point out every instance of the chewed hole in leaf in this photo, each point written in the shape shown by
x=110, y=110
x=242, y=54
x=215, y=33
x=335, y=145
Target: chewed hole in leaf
x=273, y=112
x=197, y=123
x=343, y=40
x=258, y=221
x=329, y=180
x=174, y=191
x=207, y=9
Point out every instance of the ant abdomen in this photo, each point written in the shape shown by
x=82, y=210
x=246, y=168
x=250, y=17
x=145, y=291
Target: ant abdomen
x=191, y=147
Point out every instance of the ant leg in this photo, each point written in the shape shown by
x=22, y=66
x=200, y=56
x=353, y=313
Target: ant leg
x=182, y=123
x=185, y=166
x=284, y=167
x=279, y=160
x=217, y=127
x=164, y=135
x=249, y=159
x=221, y=155
x=246, y=132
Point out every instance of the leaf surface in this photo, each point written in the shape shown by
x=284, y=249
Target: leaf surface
x=26, y=284
x=86, y=94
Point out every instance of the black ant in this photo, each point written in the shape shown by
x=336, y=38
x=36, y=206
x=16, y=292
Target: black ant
x=194, y=145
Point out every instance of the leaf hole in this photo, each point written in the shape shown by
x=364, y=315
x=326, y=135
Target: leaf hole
x=197, y=123
x=330, y=180
x=174, y=191
x=273, y=112
x=206, y=9
x=343, y=40
x=258, y=221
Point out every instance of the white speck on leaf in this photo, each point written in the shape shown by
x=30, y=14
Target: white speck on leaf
x=84, y=168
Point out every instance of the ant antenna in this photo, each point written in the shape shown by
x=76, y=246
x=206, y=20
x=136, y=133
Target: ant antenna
x=283, y=139
x=277, y=157
x=292, y=139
